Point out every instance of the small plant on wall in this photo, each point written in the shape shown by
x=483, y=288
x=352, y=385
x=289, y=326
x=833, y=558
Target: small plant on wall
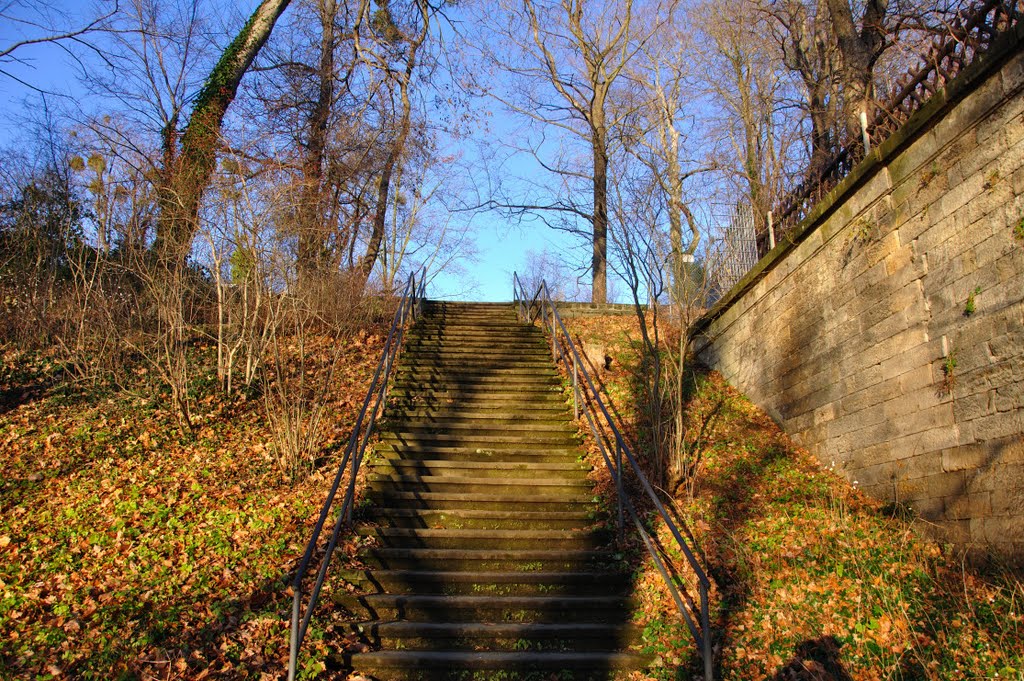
x=948, y=373
x=930, y=174
x=970, y=306
x=1018, y=230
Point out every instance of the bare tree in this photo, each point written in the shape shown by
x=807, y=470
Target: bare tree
x=565, y=62
x=391, y=43
x=660, y=141
x=747, y=82
x=860, y=47
x=666, y=310
x=802, y=31
x=187, y=170
x=43, y=24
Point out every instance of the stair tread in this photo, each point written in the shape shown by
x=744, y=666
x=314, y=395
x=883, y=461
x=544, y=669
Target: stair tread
x=473, y=533
x=495, y=629
x=477, y=496
x=477, y=406
x=499, y=577
x=491, y=465
x=467, y=601
x=497, y=660
x=467, y=480
x=517, y=554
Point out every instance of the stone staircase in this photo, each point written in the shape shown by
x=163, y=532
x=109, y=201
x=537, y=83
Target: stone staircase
x=489, y=559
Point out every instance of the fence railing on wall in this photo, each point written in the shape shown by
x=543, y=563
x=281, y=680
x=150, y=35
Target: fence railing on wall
x=970, y=34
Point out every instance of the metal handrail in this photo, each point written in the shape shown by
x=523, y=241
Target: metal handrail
x=563, y=349
x=410, y=306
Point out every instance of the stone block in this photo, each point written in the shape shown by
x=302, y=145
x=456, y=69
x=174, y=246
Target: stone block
x=947, y=485
x=1011, y=77
x=1004, y=529
x=903, y=168
x=1008, y=497
x=1002, y=424
x=968, y=505
x=971, y=110
x=956, y=531
x=911, y=358
x=914, y=402
x=879, y=475
x=966, y=457
x=929, y=508
x=939, y=416
x=917, y=378
x=959, y=195
x=928, y=442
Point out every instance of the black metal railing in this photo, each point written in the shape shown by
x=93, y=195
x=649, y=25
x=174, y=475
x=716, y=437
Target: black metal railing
x=409, y=307
x=969, y=34
x=587, y=401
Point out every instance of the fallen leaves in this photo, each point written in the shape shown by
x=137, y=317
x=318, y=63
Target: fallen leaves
x=809, y=574
x=135, y=553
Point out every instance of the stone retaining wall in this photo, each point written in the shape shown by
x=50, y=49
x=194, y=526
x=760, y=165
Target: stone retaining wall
x=888, y=334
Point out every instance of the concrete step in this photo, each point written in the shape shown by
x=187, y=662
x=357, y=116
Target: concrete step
x=473, y=398
x=426, y=369
x=460, y=307
x=409, y=665
x=439, y=608
x=480, y=441
x=464, y=380
x=467, y=582
x=498, y=560
x=481, y=519
x=510, y=452
x=498, y=414
x=565, y=540
x=440, y=484
x=489, y=469
x=506, y=428
x=479, y=390
x=491, y=501
x=510, y=636
x=534, y=354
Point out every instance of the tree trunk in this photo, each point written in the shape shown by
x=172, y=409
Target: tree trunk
x=184, y=181
x=312, y=236
x=599, y=260
x=383, y=191
x=859, y=51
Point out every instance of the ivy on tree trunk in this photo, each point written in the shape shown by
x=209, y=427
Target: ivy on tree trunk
x=186, y=172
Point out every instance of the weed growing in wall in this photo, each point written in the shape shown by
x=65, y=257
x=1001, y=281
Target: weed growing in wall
x=970, y=307
x=948, y=371
x=1018, y=229
x=930, y=174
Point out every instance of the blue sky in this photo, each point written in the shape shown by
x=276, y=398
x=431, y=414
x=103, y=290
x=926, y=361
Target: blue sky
x=500, y=248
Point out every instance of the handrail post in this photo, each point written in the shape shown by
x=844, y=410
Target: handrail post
x=554, y=354
x=705, y=623
x=619, y=487
x=293, y=644
x=575, y=388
